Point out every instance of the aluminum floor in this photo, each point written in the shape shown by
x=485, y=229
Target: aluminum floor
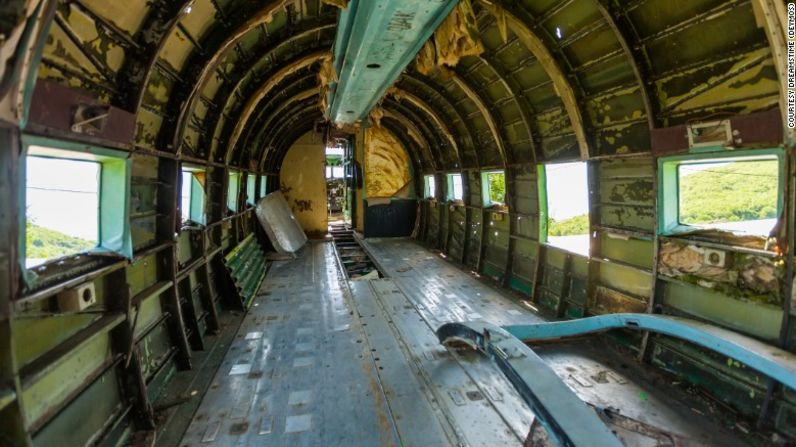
x=321, y=361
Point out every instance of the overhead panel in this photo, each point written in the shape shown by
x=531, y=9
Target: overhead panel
x=376, y=40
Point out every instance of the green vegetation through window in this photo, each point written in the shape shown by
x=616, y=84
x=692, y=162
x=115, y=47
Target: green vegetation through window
x=494, y=187
x=567, y=193
x=334, y=162
x=738, y=195
x=62, y=208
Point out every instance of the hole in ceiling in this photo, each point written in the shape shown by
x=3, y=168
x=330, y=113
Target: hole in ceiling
x=559, y=33
x=349, y=111
x=373, y=66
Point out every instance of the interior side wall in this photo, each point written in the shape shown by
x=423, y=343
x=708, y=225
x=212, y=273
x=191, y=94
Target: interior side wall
x=623, y=273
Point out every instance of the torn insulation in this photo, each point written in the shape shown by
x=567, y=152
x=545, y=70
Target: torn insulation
x=455, y=38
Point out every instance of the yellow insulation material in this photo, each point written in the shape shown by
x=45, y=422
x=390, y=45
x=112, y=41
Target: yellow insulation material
x=455, y=38
x=387, y=167
x=326, y=75
x=427, y=58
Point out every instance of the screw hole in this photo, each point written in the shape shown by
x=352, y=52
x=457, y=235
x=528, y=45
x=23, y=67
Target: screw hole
x=373, y=66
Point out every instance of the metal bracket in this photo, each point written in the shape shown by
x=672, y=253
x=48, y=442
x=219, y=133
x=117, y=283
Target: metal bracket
x=89, y=119
x=567, y=419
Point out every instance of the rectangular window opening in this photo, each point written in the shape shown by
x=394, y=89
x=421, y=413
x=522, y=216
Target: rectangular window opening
x=62, y=208
x=263, y=186
x=334, y=162
x=455, y=187
x=567, y=191
x=192, y=195
x=429, y=187
x=494, y=188
x=740, y=195
x=233, y=190
x=251, y=184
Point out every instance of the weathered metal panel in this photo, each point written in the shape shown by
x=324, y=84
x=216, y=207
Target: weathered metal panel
x=746, y=317
x=83, y=421
x=63, y=378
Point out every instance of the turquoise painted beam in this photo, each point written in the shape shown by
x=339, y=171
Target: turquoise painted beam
x=376, y=40
x=568, y=420
x=775, y=363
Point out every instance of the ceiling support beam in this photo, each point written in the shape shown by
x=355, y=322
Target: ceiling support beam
x=542, y=54
x=442, y=97
x=428, y=110
x=264, y=89
x=772, y=16
x=638, y=71
x=261, y=18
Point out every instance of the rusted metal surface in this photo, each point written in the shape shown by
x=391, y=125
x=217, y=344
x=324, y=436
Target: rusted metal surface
x=616, y=71
x=554, y=71
x=54, y=107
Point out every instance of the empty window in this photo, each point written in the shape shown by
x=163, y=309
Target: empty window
x=429, y=187
x=494, y=187
x=455, y=187
x=61, y=209
x=251, y=184
x=567, y=191
x=192, y=195
x=263, y=185
x=738, y=194
x=334, y=162
x=233, y=189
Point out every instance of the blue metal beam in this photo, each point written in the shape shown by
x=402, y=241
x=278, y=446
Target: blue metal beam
x=775, y=363
x=568, y=419
x=564, y=415
x=376, y=40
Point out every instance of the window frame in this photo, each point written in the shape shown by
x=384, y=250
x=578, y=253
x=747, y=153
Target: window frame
x=114, y=230
x=485, y=189
x=544, y=208
x=427, y=179
x=668, y=207
x=233, y=190
x=263, y=186
x=451, y=193
x=197, y=206
x=251, y=188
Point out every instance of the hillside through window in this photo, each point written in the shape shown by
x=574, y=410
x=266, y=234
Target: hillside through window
x=739, y=195
x=62, y=208
x=568, y=206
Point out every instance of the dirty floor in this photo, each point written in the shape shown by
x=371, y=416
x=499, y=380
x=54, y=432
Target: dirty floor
x=320, y=360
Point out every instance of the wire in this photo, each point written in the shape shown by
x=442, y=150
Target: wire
x=732, y=173
x=61, y=190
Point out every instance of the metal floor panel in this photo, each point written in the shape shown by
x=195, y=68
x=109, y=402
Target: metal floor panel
x=320, y=361
x=297, y=373
x=441, y=292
